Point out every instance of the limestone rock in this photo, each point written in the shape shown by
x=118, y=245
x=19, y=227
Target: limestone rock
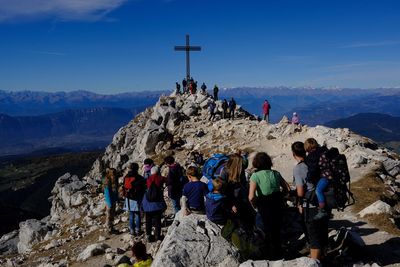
x=30, y=232
x=8, y=243
x=188, y=247
x=377, y=207
x=92, y=250
x=299, y=262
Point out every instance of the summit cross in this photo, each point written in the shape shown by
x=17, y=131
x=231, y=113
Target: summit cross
x=187, y=48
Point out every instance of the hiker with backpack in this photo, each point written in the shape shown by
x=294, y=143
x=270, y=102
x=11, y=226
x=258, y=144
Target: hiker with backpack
x=316, y=230
x=232, y=107
x=195, y=191
x=153, y=203
x=267, y=188
x=134, y=187
x=110, y=189
x=175, y=182
x=147, y=165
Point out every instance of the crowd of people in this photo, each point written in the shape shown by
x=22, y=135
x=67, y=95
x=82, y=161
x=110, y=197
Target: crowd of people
x=233, y=194
x=228, y=107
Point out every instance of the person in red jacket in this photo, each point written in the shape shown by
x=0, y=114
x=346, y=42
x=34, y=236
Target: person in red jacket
x=266, y=107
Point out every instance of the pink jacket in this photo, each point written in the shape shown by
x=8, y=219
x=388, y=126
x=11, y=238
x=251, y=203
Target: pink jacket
x=266, y=108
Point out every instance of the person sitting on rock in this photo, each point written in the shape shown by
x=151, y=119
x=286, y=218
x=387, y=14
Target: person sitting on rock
x=142, y=258
x=195, y=191
x=175, y=182
x=133, y=190
x=295, y=118
x=216, y=207
x=153, y=203
x=110, y=189
x=265, y=194
x=147, y=165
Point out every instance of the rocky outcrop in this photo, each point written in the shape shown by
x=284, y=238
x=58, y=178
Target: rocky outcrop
x=300, y=262
x=378, y=207
x=8, y=243
x=31, y=232
x=92, y=250
x=195, y=241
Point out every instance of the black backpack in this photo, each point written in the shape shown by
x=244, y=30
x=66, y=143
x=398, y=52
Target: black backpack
x=338, y=195
x=154, y=193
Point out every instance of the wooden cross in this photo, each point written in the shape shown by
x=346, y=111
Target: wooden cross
x=187, y=48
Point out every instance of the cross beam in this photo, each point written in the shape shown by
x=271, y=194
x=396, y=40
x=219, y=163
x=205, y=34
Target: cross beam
x=187, y=48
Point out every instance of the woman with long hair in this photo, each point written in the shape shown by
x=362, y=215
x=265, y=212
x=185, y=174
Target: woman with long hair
x=110, y=189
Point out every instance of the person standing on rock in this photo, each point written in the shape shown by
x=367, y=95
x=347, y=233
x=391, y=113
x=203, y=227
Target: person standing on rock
x=211, y=108
x=237, y=190
x=265, y=194
x=232, y=107
x=175, y=182
x=295, y=119
x=266, y=107
x=317, y=230
x=184, y=86
x=153, y=203
x=110, y=189
x=133, y=189
x=178, y=88
x=203, y=88
x=224, y=109
x=216, y=90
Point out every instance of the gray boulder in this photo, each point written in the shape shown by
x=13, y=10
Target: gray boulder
x=195, y=241
x=299, y=262
x=30, y=232
x=377, y=207
x=92, y=250
x=8, y=243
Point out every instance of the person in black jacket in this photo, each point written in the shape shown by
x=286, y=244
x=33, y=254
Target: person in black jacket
x=175, y=182
x=232, y=107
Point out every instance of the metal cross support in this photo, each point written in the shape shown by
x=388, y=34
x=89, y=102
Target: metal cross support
x=187, y=48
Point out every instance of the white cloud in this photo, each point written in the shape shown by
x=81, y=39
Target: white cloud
x=382, y=43
x=61, y=9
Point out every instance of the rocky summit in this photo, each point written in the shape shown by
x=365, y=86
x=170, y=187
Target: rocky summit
x=74, y=233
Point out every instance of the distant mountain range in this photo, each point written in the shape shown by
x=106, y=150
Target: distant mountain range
x=316, y=106
x=30, y=103
x=379, y=127
x=83, y=129
x=83, y=120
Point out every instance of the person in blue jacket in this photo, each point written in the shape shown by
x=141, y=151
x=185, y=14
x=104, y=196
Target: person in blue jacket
x=110, y=189
x=216, y=204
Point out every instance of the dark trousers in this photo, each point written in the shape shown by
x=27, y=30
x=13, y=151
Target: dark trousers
x=270, y=209
x=154, y=218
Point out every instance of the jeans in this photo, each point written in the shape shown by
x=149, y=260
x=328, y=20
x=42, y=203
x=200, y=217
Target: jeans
x=321, y=187
x=176, y=204
x=154, y=218
x=134, y=221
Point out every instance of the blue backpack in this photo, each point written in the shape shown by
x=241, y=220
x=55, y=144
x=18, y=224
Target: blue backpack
x=213, y=166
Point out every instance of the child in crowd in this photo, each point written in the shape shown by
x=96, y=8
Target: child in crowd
x=142, y=258
x=216, y=207
x=147, y=165
x=195, y=190
x=318, y=171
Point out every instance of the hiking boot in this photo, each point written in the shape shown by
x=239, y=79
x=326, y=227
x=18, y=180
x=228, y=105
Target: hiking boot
x=321, y=214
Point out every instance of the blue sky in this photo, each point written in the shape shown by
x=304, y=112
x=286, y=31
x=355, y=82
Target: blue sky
x=111, y=46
